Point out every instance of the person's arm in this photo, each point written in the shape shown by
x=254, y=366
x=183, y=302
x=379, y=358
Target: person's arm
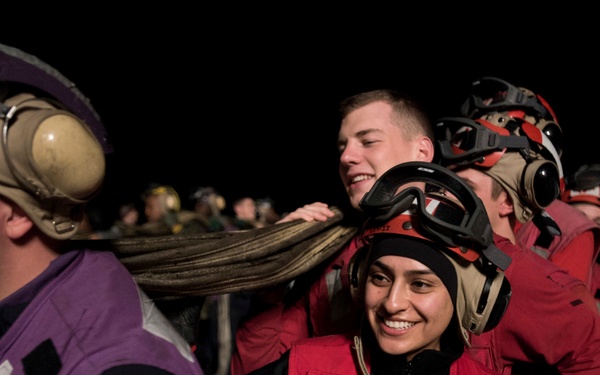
x=309, y=212
x=265, y=336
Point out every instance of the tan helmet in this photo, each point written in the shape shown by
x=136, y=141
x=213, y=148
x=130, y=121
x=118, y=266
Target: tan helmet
x=167, y=197
x=51, y=163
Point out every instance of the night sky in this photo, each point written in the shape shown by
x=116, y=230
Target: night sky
x=256, y=112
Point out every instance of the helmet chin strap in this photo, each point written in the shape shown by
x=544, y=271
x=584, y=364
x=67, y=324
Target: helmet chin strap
x=358, y=346
x=62, y=224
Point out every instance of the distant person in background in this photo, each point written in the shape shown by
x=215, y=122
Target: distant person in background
x=209, y=204
x=164, y=214
x=161, y=207
x=65, y=309
x=583, y=192
x=267, y=214
x=124, y=226
x=245, y=213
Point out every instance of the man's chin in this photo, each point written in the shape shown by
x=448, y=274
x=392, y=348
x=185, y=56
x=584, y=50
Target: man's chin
x=355, y=200
x=357, y=193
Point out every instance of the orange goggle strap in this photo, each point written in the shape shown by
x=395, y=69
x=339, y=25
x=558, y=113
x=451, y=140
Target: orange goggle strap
x=487, y=142
x=406, y=224
x=474, y=231
x=545, y=104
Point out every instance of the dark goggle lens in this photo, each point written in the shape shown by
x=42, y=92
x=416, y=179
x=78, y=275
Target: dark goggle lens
x=464, y=139
x=491, y=92
x=448, y=213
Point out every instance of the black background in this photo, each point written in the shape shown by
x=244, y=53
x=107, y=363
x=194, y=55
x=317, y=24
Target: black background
x=252, y=109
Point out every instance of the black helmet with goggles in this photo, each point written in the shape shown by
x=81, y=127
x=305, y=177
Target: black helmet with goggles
x=445, y=218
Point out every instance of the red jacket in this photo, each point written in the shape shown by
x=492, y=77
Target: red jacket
x=576, y=250
x=596, y=284
x=545, y=319
x=337, y=354
x=327, y=308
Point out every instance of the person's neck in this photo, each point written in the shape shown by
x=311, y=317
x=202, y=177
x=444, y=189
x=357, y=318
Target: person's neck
x=505, y=227
x=21, y=263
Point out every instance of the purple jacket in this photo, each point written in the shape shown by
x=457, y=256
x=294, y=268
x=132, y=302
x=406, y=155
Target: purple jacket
x=84, y=315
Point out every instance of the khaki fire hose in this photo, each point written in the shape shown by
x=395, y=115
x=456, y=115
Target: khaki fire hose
x=225, y=262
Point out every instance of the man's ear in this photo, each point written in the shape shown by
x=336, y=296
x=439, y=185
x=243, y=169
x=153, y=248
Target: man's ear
x=18, y=223
x=426, y=149
x=505, y=204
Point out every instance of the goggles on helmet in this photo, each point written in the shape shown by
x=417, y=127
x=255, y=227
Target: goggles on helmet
x=462, y=226
x=494, y=94
x=464, y=141
x=408, y=223
x=481, y=142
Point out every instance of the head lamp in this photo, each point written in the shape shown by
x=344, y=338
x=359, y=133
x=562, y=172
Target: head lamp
x=394, y=192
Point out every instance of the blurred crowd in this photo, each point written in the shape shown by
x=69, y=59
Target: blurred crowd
x=162, y=210
x=209, y=324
